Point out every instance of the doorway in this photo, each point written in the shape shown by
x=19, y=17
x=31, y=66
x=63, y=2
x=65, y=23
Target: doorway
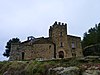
x=23, y=55
x=61, y=54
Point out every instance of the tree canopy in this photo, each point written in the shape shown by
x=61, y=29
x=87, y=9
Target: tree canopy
x=8, y=46
x=91, y=41
x=91, y=37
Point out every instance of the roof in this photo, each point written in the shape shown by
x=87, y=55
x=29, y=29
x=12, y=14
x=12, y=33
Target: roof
x=74, y=36
x=40, y=40
x=25, y=41
x=43, y=40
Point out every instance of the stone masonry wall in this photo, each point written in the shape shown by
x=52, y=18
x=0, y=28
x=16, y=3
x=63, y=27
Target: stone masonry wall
x=77, y=43
x=31, y=52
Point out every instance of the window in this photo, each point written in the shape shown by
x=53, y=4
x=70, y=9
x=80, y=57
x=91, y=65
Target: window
x=73, y=45
x=23, y=55
x=74, y=54
x=49, y=46
x=60, y=34
x=61, y=44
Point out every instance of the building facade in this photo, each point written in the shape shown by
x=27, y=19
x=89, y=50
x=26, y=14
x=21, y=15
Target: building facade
x=58, y=45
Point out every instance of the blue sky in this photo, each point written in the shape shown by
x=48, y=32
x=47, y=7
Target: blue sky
x=22, y=18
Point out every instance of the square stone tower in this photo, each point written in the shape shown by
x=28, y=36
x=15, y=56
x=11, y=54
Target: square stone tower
x=58, y=35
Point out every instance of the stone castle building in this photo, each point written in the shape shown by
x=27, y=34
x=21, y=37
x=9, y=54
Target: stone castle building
x=57, y=45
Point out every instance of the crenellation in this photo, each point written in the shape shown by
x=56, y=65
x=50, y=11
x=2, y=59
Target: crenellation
x=59, y=23
x=55, y=23
x=65, y=24
x=62, y=23
x=50, y=28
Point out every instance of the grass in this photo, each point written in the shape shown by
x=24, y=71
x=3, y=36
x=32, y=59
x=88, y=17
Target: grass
x=37, y=67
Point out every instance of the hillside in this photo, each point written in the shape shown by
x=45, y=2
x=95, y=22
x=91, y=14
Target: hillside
x=71, y=66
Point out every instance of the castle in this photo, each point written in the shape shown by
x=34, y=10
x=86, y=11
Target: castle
x=57, y=45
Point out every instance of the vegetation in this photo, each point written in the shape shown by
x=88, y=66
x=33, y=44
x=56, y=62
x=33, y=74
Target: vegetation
x=91, y=37
x=91, y=41
x=93, y=50
x=38, y=67
x=8, y=46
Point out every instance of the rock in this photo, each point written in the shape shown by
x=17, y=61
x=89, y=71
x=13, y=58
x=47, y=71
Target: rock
x=6, y=73
x=91, y=72
x=65, y=71
x=55, y=71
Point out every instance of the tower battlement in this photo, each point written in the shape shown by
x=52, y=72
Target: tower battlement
x=59, y=23
x=59, y=26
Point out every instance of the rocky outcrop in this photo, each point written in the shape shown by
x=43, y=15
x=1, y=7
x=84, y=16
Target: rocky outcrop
x=86, y=69
x=92, y=70
x=64, y=71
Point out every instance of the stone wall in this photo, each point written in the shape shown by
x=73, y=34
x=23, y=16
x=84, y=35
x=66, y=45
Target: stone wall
x=77, y=49
x=31, y=52
x=14, y=51
x=45, y=51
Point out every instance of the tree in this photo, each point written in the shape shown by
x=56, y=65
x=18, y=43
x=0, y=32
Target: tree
x=92, y=36
x=8, y=46
x=91, y=41
x=98, y=33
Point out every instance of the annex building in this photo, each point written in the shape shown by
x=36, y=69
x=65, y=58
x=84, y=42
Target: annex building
x=58, y=45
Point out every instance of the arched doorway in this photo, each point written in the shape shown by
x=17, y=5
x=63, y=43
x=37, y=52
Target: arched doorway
x=61, y=54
